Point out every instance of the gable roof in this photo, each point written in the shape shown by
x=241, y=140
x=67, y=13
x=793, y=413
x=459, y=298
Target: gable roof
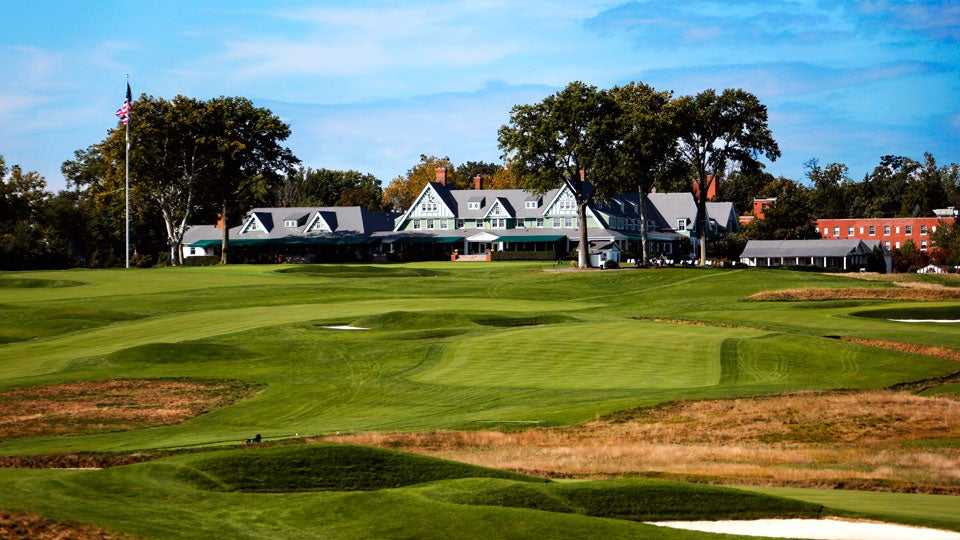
x=804, y=248
x=344, y=221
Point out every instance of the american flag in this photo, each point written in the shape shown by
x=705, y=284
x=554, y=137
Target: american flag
x=124, y=111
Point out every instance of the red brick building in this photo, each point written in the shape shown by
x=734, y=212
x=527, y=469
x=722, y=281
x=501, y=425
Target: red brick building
x=893, y=232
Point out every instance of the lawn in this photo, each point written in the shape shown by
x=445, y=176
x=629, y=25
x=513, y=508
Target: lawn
x=444, y=346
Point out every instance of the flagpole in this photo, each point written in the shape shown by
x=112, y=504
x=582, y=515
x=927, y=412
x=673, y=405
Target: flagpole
x=127, y=181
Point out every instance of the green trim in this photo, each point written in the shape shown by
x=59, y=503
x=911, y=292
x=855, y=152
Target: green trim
x=530, y=238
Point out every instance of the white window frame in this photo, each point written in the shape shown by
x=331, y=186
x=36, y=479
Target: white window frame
x=681, y=224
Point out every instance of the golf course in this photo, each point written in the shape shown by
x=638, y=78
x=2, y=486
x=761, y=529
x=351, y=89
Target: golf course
x=472, y=400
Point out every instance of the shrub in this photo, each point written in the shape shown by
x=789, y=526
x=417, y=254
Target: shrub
x=205, y=260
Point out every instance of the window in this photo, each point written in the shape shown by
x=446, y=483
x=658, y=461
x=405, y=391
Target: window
x=498, y=223
x=873, y=230
x=473, y=206
x=539, y=222
x=428, y=207
x=651, y=224
x=861, y=230
x=290, y=223
x=520, y=223
x=459, y=223
x=681, y=224
x=897, y=245
x=530, y=204
x=444, y=224
x=923, y=230
x=908, y=229
x=886, y=230
x=416, y=224
x=826, y=231
x=254, y=226
x=849, y=231
x=923, y=245
x=568, y=223
x=568, y=204
x=556, y=223
x=666, y=249
x=887, y=245
x=429, y=223
x=836, y=232
x=898, y=229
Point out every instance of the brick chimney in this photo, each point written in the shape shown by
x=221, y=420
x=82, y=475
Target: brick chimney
x=442, y=176
x=653, y=189
x=478, y=182
x=219, y=221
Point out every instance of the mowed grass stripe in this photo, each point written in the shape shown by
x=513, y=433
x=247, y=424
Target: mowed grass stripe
x=626, y=354
x=26, y=359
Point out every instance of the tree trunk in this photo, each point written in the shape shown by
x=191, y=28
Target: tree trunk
x=225, y=243
x=584, y=258
x=644, y=249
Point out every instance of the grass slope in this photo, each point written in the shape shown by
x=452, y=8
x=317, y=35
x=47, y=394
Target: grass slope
x=172, y=498
x=448, y=346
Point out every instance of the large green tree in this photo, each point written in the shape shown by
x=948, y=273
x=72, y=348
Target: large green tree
x=646, y=131
x=719, y=131
x=247, y=159
x=326, y=187
x=565, y=140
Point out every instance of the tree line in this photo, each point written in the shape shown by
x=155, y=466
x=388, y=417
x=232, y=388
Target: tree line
x=195, y=161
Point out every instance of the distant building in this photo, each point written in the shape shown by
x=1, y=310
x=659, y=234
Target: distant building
x=892, y=232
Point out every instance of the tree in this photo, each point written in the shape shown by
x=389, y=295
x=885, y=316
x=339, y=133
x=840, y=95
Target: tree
x=829, y=195
x=171, y=150
x=248, y=160
x=647, y=150
x=945, y=245
x=718, y=131
x=790, y=217
x=326, y=187
x=565, y=140
x=403, y=190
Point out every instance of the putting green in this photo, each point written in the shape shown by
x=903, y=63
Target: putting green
x=627, y=354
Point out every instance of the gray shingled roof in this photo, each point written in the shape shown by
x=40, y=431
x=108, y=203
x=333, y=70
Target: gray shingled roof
x=803, y=248
x=343, y=220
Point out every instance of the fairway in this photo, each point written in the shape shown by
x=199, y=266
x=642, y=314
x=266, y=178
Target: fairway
x=445, y=347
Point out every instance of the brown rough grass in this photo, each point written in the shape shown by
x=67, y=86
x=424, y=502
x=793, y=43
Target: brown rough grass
x=32, y=526
x=115, y=405
x=922, y=294
x=867, y=440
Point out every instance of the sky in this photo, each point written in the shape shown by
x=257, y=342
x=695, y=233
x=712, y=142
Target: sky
x=371, y=85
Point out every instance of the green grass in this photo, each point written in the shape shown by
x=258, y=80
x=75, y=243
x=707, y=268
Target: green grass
x=449, y=346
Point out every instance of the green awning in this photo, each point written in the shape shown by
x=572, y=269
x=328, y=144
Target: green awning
x=530, y=238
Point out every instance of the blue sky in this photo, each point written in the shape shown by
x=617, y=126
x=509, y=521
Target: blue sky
x=371, y=85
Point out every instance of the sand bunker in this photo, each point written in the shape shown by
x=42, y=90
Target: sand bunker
x=815, y=529
x=942, y=321
x=344, y=327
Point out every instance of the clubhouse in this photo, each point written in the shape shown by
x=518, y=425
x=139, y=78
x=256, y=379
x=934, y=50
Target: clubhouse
x=445, y=223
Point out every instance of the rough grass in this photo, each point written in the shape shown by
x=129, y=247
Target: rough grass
x=116, y=405
x=864, y=440
x=25, y=525
x=804, y=295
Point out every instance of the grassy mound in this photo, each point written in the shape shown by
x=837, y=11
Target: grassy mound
x=635, y=500
x=36, y=283
x=359, y=271
x=177, y=353
x=327, y=468
x=912, y=312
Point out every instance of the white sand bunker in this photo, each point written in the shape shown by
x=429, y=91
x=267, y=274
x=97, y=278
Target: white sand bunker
x=941, y=321
x=815, y=529
x=345, y=327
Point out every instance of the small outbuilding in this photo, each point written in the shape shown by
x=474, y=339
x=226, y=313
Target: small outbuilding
x=836, y=254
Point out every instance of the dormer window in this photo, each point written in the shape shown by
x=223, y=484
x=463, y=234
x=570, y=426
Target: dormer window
x=473, y=205
x=530, y=204
x=254, y=225
x=290, y=223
